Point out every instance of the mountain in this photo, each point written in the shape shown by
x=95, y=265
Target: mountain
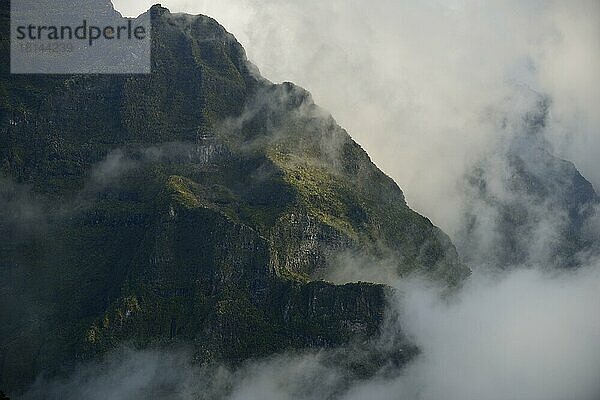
x=198, y=206
x=527, y=206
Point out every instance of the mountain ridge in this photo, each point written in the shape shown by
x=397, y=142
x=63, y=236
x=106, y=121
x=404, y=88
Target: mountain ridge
x=539, y=206
x=199, y=205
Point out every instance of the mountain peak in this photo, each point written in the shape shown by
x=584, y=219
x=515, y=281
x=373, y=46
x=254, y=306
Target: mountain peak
x=158, y=10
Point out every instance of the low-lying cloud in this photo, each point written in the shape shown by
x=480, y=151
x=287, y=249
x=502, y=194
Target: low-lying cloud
x=526, y=335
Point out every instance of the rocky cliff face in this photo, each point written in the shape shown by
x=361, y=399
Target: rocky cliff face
x=195, y=205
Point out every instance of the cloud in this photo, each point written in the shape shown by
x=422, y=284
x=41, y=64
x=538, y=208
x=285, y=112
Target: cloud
x=527, y=335
x=522, y=205
x=351, y=267
x=127, y=374
x=112, y=167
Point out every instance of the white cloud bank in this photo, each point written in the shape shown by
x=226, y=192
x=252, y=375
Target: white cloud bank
x=527, y=335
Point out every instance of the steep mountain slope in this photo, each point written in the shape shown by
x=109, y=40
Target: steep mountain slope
x=196, y=205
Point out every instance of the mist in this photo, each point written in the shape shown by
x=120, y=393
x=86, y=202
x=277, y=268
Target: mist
x=528, y=335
